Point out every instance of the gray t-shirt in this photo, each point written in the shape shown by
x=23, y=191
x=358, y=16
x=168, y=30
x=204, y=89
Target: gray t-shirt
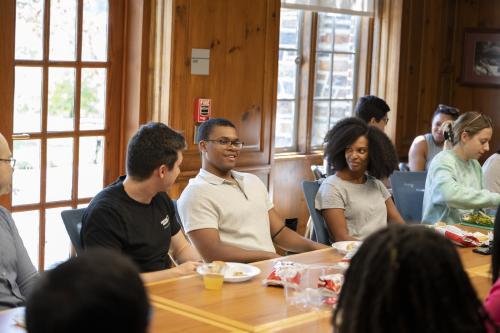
x=432, y=149
x=363, y=204
x=17, y=273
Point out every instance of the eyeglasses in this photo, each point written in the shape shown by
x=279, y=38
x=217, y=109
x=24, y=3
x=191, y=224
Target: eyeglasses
x=11, y=160
x=386, y=119
x=227, y=142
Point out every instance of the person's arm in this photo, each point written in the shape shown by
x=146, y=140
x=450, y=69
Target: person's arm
x=450, y=191
x=187, y=268
x=336, y=224
x=417, y=156
x=181, y=250
x=27, y=275
x=288, y=239
x=393, y=215
x=208, y=243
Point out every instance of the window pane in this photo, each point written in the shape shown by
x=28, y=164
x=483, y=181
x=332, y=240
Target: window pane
x=340, y=110
x=287, y=72
x=91, y=166
x=343, y=76
x=26, y=177
x=326, y=26
x=61, y=99
x=27, y=99
x=95, y=30
x=323, y=75
x=29, y=29
x=346, y=27
x=320, y=125
x=62, y=29
x=93, y=98
x=57, y=243
x=28, y=224
x=59, y=169
x=289, y=28
x=285, y=124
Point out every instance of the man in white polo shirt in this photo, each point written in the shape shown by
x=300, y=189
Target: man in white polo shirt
x=227, y=214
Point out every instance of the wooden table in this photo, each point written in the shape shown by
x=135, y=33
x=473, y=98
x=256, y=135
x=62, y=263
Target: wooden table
x=184, y=305
x=251, y=307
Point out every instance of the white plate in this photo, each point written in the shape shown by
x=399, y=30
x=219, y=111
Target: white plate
x=237, y=272
x=346, y=246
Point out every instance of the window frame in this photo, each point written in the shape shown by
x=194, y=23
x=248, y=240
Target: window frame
x=304, y=111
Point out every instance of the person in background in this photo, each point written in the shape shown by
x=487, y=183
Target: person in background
x=491, y=171
x=228, y=214
x=408, y=279
x=426, y=146
x=492, y=302
x=373, y=110
x=353, y=201
x=98, y=291
x=454, y=183
x=17, y=273
x=135, y=216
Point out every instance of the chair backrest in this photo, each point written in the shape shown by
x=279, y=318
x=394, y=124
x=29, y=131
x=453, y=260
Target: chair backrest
x=73, y=222
x=318, y=171
x=408, y=192
x=319, y=233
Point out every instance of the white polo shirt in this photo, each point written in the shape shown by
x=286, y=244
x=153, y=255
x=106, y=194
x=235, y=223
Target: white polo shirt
x=239, y=210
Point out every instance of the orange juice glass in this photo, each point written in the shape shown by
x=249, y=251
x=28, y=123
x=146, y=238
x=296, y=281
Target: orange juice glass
x=213, y=281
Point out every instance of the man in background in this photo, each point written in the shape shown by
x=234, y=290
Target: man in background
x=17, y=273
x=373, y=110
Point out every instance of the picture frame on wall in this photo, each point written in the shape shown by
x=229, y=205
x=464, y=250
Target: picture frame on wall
x=481, y=57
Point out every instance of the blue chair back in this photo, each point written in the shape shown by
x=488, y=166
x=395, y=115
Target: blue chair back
x=73, y=222
x=319, y=232
x=408, y=192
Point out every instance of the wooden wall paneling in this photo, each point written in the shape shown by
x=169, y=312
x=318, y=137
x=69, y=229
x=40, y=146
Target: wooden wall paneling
x=288, y=197
x=476, y=14
x=243, y=40
x=135, y=71
x=386, y=59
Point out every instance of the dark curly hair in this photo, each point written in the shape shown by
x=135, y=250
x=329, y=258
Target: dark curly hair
x=382, y=156
x=408, y=279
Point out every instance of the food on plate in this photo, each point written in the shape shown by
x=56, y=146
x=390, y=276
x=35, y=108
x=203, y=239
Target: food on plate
x=478, y=217
x=216, y=267
x=239, y=273
x=351, y=246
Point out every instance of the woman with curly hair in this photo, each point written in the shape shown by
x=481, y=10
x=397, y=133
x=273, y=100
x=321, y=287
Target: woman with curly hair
x=408, y=279
x=454, y=183
x=353, y=201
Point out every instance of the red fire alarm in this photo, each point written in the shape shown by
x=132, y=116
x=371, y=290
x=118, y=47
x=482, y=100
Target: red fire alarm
x=202, y=109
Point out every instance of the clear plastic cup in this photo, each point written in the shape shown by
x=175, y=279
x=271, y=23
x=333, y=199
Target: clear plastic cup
x=213, y=275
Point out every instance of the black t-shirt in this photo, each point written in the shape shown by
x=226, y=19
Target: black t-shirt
x=140, y=231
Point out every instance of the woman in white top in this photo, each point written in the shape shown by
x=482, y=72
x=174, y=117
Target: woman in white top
x=353, y=201
x=491, y=172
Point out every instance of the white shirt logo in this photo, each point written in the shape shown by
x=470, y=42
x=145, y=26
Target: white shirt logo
x=165, y=222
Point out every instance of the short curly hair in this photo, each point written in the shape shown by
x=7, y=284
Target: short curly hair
x=382, y=156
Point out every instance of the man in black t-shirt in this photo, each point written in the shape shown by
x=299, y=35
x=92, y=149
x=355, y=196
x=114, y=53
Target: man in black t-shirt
x=135, y=215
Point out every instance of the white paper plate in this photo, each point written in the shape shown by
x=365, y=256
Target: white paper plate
x=237, y=272
x=346, y=246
